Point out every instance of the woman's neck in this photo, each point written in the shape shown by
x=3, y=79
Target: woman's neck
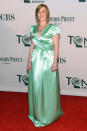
x=43, y=24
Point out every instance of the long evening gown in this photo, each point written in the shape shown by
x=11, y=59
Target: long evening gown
x=43, y=86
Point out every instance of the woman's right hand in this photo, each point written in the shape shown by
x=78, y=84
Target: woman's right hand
x=29, y=66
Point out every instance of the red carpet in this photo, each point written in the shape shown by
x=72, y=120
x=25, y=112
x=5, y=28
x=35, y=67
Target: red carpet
x=14, y=114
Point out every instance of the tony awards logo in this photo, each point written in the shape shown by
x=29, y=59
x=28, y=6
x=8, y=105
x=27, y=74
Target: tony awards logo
x=76, y=82
x=34, y=1
x=26, y=1
x=82, y=0
x=23, y=78
x=78, y=41
x=24, y=39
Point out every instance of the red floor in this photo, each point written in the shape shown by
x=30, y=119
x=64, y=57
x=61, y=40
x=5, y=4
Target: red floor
x=14, y=114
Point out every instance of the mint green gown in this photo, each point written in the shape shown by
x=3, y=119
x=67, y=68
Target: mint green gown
x=43, y=85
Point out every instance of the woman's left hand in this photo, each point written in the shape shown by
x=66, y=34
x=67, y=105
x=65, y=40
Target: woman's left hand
x=53, y=67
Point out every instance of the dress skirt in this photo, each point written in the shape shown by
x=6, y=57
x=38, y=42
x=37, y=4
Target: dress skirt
x=43, y=88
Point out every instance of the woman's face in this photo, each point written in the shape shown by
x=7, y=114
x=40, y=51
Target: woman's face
x=42, y=14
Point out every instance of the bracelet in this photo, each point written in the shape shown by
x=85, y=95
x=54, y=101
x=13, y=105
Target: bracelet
x=54, y=64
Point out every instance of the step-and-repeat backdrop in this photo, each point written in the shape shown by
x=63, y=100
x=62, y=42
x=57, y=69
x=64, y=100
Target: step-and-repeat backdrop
x=16, y=17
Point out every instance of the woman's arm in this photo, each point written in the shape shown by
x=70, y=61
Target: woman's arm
x=29, y=57
x=56, y=51
x=56, y=47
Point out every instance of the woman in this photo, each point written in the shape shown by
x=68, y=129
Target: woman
x=44, y=92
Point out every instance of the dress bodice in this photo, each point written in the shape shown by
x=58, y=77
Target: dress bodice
x=45, y=38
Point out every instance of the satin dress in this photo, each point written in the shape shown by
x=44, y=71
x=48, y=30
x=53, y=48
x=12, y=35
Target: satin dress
x=43, y=84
